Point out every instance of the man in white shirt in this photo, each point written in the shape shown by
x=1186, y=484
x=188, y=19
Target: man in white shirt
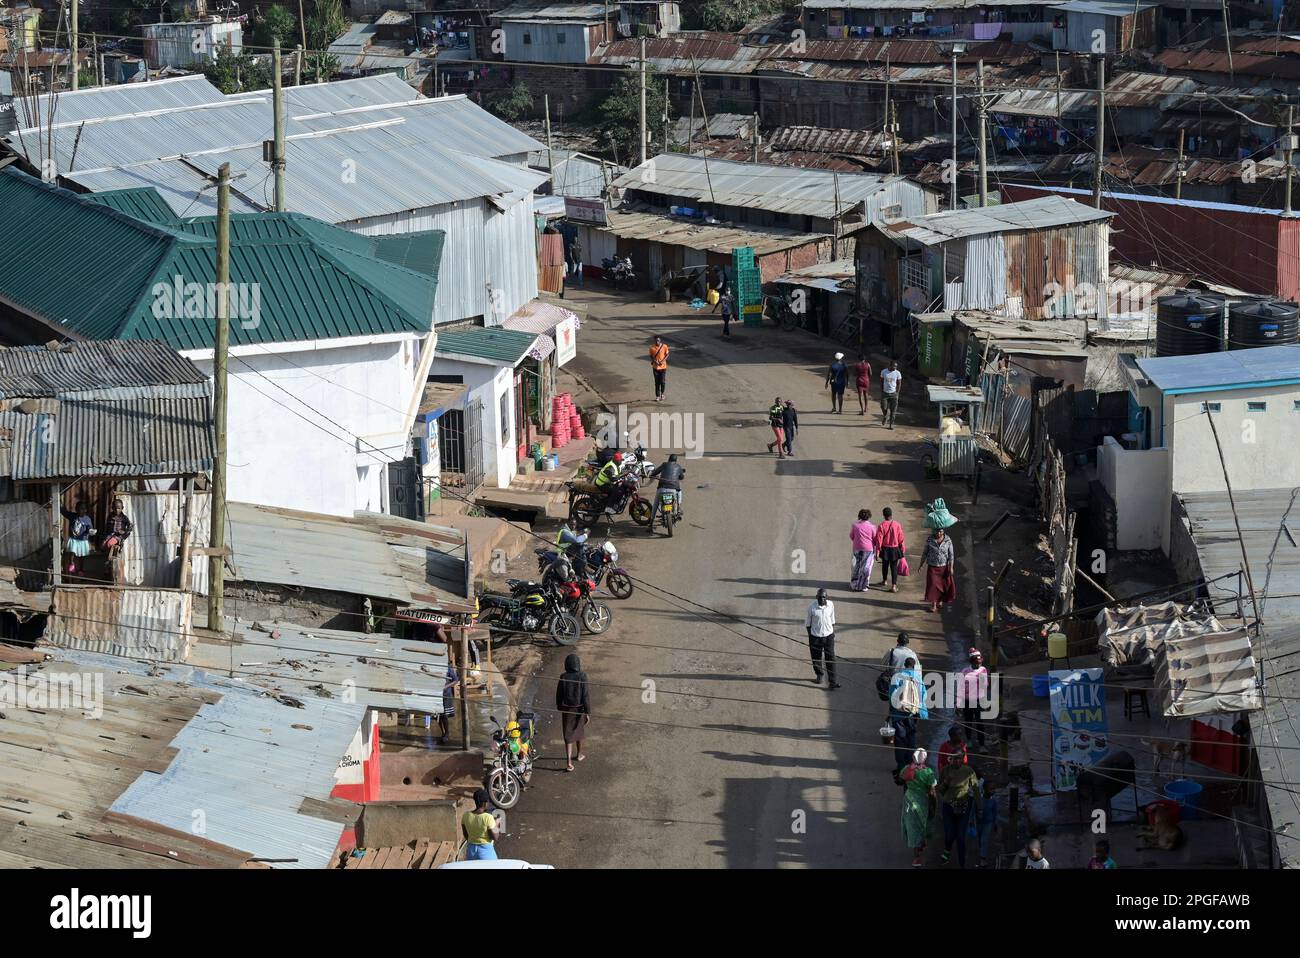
x=891, y=382
x=820, y=623
x=896, y=657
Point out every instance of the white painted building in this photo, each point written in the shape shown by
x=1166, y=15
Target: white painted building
x=1253, y=398
x=288, y=399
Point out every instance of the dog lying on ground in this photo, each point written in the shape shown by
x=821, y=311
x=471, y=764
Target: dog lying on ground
x=1162, y=835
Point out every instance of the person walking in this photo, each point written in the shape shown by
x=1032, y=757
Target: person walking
x=659, y=365
x=776, y=419
x=891, y=383
x=836, y=378
x=863, y=537
x=940, y=583
x=890, y=548
x=789, y=425
x=918, y=803
x=820, y=625
x=575, y=258
x=480, y=830
x=896, y=657
x=728, y=307
x=906, y=707
x=972, y=690
x=573, y=702
x=953, y=750
x=961, y=798
x=448, y=702
x=863, y=382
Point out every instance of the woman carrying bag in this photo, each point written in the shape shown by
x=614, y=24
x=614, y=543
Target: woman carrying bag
x=890, y=546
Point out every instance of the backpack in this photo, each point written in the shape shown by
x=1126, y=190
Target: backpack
x=882, y=684
x=909, y=698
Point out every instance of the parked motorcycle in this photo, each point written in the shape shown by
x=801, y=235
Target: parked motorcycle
x=598, y=562
x=512, y=766
x=529, y=607
x=588, y=508
x=576, y=599
x=635, y=461
x=619, y=271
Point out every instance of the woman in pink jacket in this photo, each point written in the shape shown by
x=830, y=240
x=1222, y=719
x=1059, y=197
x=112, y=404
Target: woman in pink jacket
x=863, y=537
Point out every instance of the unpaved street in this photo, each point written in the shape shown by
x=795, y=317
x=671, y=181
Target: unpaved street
x=733, y=757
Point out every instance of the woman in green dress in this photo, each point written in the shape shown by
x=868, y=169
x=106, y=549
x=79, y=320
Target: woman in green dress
x=918, y=800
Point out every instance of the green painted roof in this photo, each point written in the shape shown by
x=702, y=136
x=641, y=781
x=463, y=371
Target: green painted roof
x=502, y=346
x=142, y=203
x=296, y=278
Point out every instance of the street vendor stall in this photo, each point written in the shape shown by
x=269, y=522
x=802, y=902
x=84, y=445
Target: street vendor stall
x=958, y=450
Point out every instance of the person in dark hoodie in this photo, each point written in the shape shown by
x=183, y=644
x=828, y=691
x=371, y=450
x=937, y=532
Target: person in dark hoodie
x=573, y=702
x=790, y=424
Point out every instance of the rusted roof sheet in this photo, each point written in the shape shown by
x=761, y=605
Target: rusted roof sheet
x=1216, y=61
x=715, y=239
x=685, y=52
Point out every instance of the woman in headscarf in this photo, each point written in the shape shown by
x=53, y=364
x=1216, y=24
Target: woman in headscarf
x=918, y=801
x=940, y=583
x=573, y=702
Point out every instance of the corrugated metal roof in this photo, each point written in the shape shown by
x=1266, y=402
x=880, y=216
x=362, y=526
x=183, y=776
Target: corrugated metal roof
x=377, y=670
x=167, y=94
x=539, y=317
x=1043, y=213
x=1217, y=61
x=384, y=557
x=556, y=11
x=294, y=278
x=576, y=174
x=503, y=347
x=810, y=192
x=685, y=52
x=1105, y=8
x=247, y=761
x=916, y=4
x=1275, y=568
x=97, y=370
x=1235, y=367
x=837, y=276
x=724, y=125
x=692, y=234
x=339, y=94
x=143, y=203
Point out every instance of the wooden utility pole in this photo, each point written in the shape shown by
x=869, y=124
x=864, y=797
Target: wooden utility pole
x=73, y=40
x=665, y=114
x=217, y=534
x=885, y=118
x=755, y=132
x=464, y=684
x=983, y=128
x=1290, y=150
x=95, y=63
x=277, y=160
x=893, y=135
x=302, y=26
x=952, y=193
x=1178, y=171
x=835, y=226
x=550, y=153
x=643, y=127
x=297, y=66
x=690, y=132
x=1100, y=157
x=1227, y=39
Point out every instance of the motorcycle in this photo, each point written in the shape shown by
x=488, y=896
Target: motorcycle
x=635, y=461
x=530, y=607
x=575, y=599
x=619, y=271
x=512, y=766
x=668, y=513
x=588, y=508
x=598, y=563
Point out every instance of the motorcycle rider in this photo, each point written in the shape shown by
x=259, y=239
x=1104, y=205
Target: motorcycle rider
x=606, y=480
x=670, y=475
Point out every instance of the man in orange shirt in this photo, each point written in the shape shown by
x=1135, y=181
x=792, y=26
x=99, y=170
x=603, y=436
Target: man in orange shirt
x=659, y=363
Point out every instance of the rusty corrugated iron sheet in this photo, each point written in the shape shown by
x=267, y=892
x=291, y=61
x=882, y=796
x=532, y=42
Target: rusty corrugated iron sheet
x=151, y=624
x=1206, y=60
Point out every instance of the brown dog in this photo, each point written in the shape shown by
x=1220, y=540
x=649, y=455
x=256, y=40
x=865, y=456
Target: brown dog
x=1163, y=834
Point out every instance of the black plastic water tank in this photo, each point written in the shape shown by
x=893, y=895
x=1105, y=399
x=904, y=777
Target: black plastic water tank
x=1187, y=324
x=1269, y=323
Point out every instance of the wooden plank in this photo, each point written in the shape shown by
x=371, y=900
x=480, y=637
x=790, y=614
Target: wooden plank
x=446, y=852
x=381, y=859
x=367, y=858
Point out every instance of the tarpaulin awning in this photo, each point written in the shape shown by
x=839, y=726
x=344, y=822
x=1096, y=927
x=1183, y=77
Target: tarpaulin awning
x=1200, y=665
x=539, y=316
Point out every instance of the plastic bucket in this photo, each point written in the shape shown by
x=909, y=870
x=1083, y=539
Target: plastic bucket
x=1187, y=794
x=555, y=461
x=1042, y=685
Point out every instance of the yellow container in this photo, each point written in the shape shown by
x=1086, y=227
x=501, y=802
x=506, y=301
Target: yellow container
x=1058, y=647
x=712, y=297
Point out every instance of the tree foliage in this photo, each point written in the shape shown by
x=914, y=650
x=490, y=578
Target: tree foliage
x=237, y=72
x=619, y=119
x=728, y=15
x=278, y=23
x=511, y=103
x=325, y=25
